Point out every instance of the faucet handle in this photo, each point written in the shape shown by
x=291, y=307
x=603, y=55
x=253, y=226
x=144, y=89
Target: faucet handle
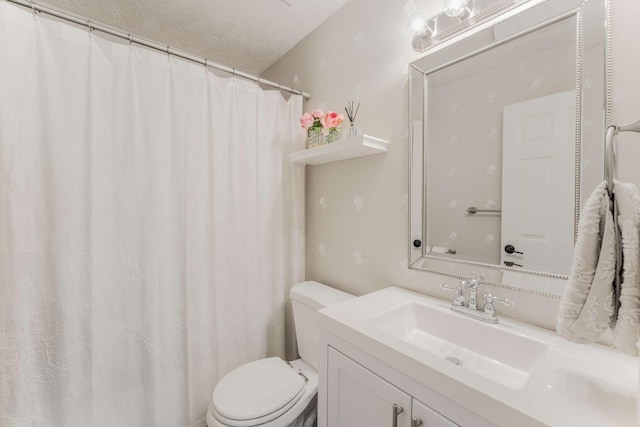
x=490, y=299
x=456, y=289
x=458, y=299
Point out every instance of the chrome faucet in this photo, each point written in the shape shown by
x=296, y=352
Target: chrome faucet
x=473, y=284
x=487, y=313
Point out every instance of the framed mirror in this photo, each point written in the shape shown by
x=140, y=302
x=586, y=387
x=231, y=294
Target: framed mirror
x=507, y=127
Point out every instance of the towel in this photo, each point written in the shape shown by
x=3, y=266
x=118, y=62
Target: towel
x=627, y=327
x=590, y=305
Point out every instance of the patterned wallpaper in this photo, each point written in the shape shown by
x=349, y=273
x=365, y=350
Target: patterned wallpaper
x=356, y=215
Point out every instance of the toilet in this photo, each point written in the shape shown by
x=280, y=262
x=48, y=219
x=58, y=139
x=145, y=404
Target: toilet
x=272, y=392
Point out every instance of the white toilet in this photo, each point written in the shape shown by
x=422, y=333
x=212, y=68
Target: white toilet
x=271, y=392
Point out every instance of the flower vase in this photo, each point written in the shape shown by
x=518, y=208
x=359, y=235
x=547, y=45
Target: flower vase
x=316, y=137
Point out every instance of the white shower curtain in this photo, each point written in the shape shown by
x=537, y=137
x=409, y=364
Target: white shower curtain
x=149, y=226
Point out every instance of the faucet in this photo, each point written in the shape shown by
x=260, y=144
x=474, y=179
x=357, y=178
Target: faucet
x=473, y=284
x=487, y=313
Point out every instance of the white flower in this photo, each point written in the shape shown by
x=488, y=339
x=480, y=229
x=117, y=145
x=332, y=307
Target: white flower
x=359, y=204
x=536, y=84
x=588, y=82
x=453, y=235
x=453, y=204
x=587, y=124
x=453, y=140
x=321, y=249
x=452, y=172
x=492, y=169
x=323, y=203
x=357, y=255
x=491, y=97
x=489, y=239
x=359, y=40
x=358, y=92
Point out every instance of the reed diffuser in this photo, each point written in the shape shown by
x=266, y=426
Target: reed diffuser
x=352, y=112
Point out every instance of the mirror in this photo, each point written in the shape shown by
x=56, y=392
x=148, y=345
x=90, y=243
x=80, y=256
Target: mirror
x=507, y=127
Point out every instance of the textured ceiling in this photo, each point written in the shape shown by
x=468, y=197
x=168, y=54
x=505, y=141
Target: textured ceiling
x=249, y=35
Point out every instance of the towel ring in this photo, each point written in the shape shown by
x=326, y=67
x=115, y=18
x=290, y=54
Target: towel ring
x=610, y=157
x=610, y=151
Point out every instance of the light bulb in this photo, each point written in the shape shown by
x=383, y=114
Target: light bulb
x=455, y=8
x=416, y=23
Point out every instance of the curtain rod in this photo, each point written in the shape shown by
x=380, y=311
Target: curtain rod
x=152, y=45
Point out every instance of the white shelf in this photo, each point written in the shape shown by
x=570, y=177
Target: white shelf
x=349, y=148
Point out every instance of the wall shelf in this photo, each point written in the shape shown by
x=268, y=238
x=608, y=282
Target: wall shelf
x=348, y=148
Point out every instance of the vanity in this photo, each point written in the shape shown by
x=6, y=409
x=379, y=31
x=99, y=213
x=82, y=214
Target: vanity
x=396, y=358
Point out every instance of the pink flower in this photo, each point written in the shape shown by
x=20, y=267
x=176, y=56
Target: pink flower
x=332, y=120
x=317, y=114
x=306, y=121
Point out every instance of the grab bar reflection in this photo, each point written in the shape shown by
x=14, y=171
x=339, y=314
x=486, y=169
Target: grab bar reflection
x=472, y=210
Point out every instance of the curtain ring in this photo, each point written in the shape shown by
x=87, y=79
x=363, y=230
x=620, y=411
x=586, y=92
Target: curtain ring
x=33, y=8
x=130, y=39
x=90, y=25
x=233, y=74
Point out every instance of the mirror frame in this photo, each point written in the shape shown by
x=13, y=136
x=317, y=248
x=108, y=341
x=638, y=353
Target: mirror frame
x=468, y=44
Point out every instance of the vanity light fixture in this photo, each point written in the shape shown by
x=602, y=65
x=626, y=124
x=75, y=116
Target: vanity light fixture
x=456, y=17
x=416, y=23
x=461, y=9
x=419, y=25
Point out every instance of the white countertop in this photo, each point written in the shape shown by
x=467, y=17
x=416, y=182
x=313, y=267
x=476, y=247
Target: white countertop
x=570, y=385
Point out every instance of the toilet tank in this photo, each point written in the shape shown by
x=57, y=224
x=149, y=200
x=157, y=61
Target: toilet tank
x=306, y=299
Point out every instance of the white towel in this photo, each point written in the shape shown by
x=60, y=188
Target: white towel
x=587, y=308
x=627, y=327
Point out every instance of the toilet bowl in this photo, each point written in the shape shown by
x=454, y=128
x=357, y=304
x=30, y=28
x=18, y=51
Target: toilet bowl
x=272, y=392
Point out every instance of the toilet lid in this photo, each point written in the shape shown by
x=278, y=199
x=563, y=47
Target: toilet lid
x=257, y=389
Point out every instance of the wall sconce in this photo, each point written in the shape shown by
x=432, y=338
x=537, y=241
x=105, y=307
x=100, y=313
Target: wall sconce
x=457, y=16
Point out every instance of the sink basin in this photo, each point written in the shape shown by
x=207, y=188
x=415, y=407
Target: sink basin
x=488, y=350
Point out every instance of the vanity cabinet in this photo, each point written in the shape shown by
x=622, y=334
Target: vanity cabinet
x=358, y=397
x=394, y=346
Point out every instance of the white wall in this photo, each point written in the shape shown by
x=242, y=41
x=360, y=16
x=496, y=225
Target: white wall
x=357, y=209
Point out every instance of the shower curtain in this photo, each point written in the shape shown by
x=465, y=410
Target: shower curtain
x=150, y=224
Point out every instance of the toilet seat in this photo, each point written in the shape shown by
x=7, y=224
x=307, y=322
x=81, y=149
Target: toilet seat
x=257, y=393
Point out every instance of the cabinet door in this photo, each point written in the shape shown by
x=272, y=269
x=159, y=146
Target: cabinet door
x=356, y=397
x=429, y=417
